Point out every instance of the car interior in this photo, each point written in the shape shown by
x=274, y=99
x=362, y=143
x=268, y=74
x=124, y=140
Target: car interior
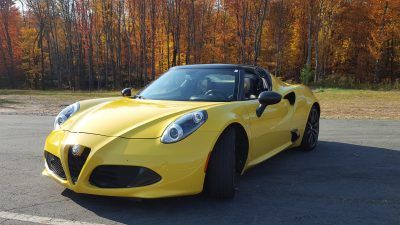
x=193, y=85
x=254, y=85
x=211, y=88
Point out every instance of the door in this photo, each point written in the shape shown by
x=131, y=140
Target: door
x=269, y=134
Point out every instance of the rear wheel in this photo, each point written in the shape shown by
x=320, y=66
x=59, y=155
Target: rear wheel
x=311, y=132
x=221, y=171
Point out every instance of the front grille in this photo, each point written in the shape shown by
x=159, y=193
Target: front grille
x=122, y=176
x=75, y=163
x=54, y=164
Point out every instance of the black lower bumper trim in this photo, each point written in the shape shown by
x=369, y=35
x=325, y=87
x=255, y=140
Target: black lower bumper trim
x=114, y=176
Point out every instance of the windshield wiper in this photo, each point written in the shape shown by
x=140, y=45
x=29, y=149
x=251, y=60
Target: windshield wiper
x=138, y=97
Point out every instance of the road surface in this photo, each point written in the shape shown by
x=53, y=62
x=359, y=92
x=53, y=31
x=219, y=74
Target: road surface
x=353, y=177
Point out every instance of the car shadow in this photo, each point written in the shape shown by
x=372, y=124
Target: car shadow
x=336, y=184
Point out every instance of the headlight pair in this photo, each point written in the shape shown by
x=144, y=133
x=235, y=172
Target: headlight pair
x=184, y=126
x=176, y=131
x=65, y=114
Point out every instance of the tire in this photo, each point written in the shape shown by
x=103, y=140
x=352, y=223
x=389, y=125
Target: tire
x=220, y=179
x=311, y=132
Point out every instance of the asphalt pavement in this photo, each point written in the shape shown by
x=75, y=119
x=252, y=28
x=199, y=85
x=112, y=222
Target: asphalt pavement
x=353, y=177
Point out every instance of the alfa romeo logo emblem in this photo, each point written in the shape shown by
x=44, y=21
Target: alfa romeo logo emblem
x=76, y=150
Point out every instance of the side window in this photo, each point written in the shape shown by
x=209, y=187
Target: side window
x=266, y=78
x=253, y=86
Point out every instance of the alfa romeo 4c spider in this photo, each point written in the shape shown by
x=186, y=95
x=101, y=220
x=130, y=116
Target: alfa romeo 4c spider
x=196, y=128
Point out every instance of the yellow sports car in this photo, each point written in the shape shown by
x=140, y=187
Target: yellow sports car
x=195, y=128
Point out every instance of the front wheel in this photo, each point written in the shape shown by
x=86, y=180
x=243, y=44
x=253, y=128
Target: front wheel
x=220, y=179
x=311, y=132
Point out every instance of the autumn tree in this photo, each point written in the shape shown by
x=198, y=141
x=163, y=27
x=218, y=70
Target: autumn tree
x=9, y=19
x=109, y=44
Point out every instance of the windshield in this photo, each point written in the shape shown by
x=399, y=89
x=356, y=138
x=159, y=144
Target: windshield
x=193, y=85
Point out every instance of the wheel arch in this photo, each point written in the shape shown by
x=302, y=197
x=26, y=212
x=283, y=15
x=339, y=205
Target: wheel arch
x=242, y=144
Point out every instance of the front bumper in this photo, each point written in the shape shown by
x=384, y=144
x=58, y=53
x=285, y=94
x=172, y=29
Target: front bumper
x=181, y=165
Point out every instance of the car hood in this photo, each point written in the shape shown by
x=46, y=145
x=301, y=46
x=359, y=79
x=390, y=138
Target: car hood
x=130, y=118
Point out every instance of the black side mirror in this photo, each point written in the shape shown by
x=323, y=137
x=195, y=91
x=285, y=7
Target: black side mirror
x=126, y=92
x=267, y=98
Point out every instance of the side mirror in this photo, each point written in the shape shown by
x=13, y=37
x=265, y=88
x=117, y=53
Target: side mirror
x=267, y=98
x=126, y=92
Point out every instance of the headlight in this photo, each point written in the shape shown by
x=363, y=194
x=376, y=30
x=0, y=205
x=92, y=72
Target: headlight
x=65, y=114
x=184, y=126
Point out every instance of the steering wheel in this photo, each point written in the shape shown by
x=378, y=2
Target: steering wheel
x=216, y=93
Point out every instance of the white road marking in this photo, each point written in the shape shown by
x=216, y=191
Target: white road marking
x=40, y=219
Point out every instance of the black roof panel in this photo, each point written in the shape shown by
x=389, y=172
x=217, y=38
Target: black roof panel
x=213, y=66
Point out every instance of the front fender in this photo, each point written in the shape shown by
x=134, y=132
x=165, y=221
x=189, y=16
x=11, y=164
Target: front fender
x=222, y=116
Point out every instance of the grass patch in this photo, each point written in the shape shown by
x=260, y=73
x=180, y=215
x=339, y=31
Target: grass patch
x=60, y=93
x=359, y=104
x=38, y=102
x=7, y=102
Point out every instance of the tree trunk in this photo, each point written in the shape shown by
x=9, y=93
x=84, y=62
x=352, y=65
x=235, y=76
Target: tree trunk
x=143, y=43
x=309, y=37
x=153, y=39
x=259, y=29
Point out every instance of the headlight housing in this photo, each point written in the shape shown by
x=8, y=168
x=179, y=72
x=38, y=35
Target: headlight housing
x=65, y=114
x=184, y=126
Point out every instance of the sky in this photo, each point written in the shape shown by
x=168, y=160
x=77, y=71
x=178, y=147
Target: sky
x=18, y=4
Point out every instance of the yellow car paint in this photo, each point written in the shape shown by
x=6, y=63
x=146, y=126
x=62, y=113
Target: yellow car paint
x=125, y=131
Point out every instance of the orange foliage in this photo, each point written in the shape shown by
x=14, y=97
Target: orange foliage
x=96, y=44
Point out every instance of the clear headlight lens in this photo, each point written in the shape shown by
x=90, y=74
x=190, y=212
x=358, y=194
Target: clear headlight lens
x=184, y=126
x=65, y=114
